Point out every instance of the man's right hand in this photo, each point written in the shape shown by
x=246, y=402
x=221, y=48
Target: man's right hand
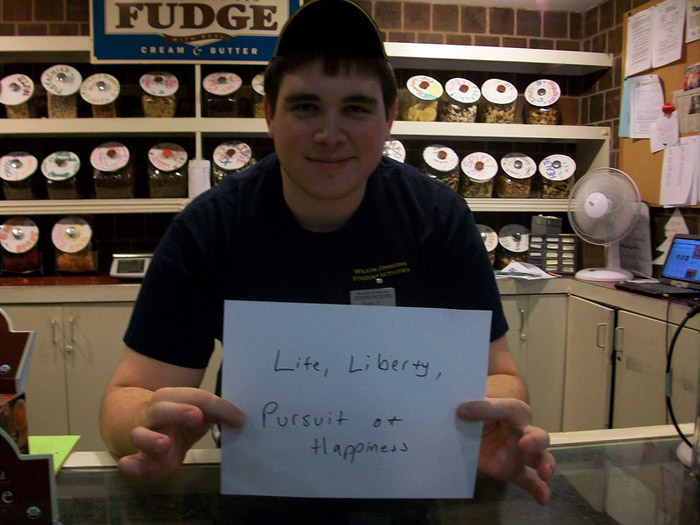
x=175, y=419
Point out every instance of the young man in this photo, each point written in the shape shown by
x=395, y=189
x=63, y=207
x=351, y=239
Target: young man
x=301, y=226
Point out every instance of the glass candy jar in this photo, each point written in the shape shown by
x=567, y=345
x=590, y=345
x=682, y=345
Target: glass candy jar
x=490, y=238
x=499, y=101
x=19, y=238
x=17, y=171
x=230, y=157
x=221, y=94
x=158, y=99
x=62, y=83
x=16, y=93
x=394, y=149
x=459, y=102
x=478, y=172
x=258, y=84
x=167, y=171
x=112, y=171
x=514, y=179
x=60, y=169
x=541, y=106
x=442, y=163
x=72, y=240
x=557, y=176
x=419, y=100
x=101, y=91
x=514, y=242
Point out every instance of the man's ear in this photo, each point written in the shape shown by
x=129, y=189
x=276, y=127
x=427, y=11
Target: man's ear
x=269, y=116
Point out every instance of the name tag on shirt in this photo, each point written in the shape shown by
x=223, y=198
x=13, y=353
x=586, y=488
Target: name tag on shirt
x=374, y=297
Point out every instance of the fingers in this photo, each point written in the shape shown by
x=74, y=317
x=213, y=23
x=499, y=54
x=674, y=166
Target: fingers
x=537, y=488
x=512, y=411
x=212, y=407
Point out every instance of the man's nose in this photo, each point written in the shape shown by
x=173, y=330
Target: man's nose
x=330, y=130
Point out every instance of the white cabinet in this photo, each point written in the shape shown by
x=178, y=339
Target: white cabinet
x=537, y=340
x=615, y=369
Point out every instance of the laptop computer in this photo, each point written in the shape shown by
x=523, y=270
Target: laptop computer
x=680, y=276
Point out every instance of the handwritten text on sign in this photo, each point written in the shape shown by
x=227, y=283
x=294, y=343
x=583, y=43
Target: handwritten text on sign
x=352, y=401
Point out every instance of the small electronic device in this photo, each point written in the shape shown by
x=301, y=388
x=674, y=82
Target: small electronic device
x=130, y=265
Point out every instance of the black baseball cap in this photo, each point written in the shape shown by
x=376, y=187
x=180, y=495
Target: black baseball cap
x=331, y=27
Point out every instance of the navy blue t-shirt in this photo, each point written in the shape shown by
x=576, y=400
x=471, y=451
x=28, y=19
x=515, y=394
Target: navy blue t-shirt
x=240, y=241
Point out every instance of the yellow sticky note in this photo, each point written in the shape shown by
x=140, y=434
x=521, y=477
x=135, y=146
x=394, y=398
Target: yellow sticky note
x=58, y=446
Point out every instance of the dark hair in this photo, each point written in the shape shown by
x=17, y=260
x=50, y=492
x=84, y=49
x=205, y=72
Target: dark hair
x=378, y=67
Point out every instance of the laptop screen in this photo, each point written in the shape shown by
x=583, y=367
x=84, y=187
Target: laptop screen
x=682, y=266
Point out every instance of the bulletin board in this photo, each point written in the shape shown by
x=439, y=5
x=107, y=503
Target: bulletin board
x=635, y=157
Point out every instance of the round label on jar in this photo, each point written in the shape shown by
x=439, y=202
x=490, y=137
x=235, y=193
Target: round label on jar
x=222, y=83
x=394, y=149
x=110, y=156
x=557, y=167
x=233, y=155
x=514, y=238
x=60, y=165
x=258, y=83
x=489, y=236
x=479, y=167
x=499, y=91
x=440, y=158
x=16, y=89
x=424, y=87
x=17, y=166
x=167, y=156
x=19, y=235
x=61, y=80
x=100, y=89
x=71, y=234
x=542, y=93
x=463, y=90
x=518, y=165
x=159, y=83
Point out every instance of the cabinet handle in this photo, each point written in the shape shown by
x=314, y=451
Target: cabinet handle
x=53, y=331
x=70, y=346
x=619, y=343
x=601, y=330
x=522, y=319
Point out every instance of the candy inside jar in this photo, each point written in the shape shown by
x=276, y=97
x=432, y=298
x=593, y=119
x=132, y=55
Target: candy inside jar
x=221, y=94
x=72, y=239
x=459, y=102
x=514, y=242
x=19, y=238
x=231, y=157
x=442, y=163
x=478, y=172
x=419, y=100
x=499, y=101
x=16, y=92
x=62, y=83
x=541, y=106
x=557, y=176
x=112, y=171
x=490, y=238
x=101, y=91
x=514, y=181
x=167, y=171
x=17, y=171
x=159, y=94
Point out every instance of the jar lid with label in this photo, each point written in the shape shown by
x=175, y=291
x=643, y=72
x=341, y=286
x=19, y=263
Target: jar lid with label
x=167, y=156
x=514, y=237
x=479, y=167
x=60, y=165
x=233, y=155
x=61, y=80
x=258, y=84
x=71, y=234
x=518, y=165
x=542, y=93
x=16, y=89
x=18, y=166
x=222, y=83
x=19, y=235
x=424, y=87
x=159, y=83
x=462, y=90
x=440, y=158
x=100, y=89
x=499, y=91
x=110, y=156
x=557, y=167
x=394, y=149
x=489, y=236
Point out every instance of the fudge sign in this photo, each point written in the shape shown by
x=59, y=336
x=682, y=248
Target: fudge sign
x=188, y=30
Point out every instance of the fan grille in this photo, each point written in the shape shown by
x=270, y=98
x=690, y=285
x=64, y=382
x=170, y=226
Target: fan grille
x=623, y=203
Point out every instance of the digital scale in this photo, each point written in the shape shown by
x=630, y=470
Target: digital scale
x=130, y=265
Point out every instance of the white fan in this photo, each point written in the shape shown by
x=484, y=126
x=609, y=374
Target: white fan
x=603, y=208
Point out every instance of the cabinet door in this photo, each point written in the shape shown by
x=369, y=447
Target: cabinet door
x=47, y=411
x=640, y=372
x=93, y=347
x=588, y=376
x=537, y=341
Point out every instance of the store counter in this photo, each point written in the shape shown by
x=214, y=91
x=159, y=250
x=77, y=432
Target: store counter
x=602, y=477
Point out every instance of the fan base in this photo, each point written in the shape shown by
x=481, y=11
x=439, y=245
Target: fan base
x=607, y=275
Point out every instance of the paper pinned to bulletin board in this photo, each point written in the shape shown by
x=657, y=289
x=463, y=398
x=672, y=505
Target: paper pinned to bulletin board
x=636, y=158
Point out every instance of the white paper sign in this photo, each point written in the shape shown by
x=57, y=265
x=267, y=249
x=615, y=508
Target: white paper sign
x=352, y=401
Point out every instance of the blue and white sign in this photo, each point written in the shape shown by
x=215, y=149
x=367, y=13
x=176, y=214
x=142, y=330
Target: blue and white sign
x=188, y=30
